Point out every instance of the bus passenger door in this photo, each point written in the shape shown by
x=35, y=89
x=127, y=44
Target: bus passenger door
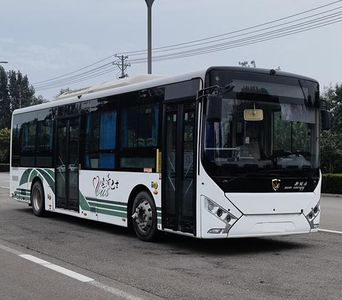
x=179, y=144
x=67, y=162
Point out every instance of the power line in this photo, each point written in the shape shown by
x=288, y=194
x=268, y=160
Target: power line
x=56, y=81
x=138, y=52
x=80, y=69
x=213, y=44
x=250, y=32
x=290, y=30
x=77, y=80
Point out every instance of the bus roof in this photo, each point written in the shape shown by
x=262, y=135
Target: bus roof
x=113, y=88
x=131, y=84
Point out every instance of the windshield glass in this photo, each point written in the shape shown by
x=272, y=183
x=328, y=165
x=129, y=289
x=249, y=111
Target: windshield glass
x=284, y=138
x=265, y=128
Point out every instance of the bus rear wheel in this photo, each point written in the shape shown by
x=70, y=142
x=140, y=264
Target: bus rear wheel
x=144, y=217
x=37, y=199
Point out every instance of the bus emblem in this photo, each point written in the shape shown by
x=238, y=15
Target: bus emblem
x=276, y=184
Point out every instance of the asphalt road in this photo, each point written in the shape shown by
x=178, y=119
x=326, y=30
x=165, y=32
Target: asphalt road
x=118, y=265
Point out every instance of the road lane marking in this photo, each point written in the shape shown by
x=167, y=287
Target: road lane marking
x=85, y=279
x=330, y=231
x=114, y=291
x=56, y=268
x=10, y=250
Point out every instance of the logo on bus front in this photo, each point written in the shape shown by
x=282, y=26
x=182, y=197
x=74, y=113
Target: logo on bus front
x=276, y=184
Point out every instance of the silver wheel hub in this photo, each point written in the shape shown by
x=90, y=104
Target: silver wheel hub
x=143, y=216
x=37, y=199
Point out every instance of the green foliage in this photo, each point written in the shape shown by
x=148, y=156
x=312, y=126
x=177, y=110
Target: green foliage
x=331, y=140
x=331, y=152
x=332, y=184
x=62, y=91
x=15, y=92
x=5, y=134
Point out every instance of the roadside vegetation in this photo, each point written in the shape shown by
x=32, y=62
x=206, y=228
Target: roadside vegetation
x=15, y=92
x=332, y=183
x=331, y=143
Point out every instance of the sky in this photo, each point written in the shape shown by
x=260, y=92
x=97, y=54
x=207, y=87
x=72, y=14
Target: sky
x=48, y=38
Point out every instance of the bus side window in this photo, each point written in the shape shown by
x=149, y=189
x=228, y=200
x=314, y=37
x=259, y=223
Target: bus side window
x=28, y=143
x=91, y=160
x=16, y=148
x=107, y=139
x=100, y=140
x=44, y=139
x=139, y=136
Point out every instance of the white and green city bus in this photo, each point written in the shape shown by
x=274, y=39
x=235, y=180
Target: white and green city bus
x=226, y=152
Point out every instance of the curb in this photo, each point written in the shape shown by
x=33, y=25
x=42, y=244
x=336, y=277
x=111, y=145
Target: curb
x=332, y=195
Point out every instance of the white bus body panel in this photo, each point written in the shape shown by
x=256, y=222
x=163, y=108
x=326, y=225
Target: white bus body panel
x=103, y=202
x=96, y=187
x=257, y=214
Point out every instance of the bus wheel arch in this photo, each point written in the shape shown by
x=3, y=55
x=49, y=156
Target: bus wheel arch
x=141, y=195
x=37, y=197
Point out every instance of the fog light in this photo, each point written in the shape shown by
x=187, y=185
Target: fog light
x=315, y=210
x=210, y=206
x=219, y=212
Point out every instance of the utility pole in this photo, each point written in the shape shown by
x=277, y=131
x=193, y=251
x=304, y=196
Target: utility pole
x=122, y=65
x=149, y=4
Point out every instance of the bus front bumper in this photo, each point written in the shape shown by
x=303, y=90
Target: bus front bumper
x=270, y=225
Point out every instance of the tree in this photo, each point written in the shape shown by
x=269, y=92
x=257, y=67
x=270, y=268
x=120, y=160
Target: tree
x=15, y=92
x=4, y=145
x=331, y=140
x=331, y=152
x=62, y=91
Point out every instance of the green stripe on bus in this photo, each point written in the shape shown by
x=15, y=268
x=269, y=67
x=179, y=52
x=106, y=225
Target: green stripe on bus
x=33, y=174
x=48, y=179
x=23, y=192
x=106, y=201
x=25, y=176
x=83, y=202
x=22, y=196
x=112, y=207
x=50, y=172
x=111, y=213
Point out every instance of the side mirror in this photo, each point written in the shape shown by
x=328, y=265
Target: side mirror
x=325, y=119
x=214, y=109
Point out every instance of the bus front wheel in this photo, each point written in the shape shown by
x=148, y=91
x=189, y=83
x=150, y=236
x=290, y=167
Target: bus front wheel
x=144, y=217
x=37, y=199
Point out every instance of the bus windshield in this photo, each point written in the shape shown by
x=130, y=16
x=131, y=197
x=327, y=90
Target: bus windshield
x=264, y=126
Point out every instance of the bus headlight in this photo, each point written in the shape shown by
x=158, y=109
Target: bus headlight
x=219, y=212
x=311, y=216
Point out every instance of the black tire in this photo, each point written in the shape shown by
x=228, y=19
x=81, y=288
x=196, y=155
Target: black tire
x=38, y=199
x=144, y=217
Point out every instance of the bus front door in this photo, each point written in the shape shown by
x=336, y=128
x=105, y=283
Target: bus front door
x=67, y=162
x=178, y=204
